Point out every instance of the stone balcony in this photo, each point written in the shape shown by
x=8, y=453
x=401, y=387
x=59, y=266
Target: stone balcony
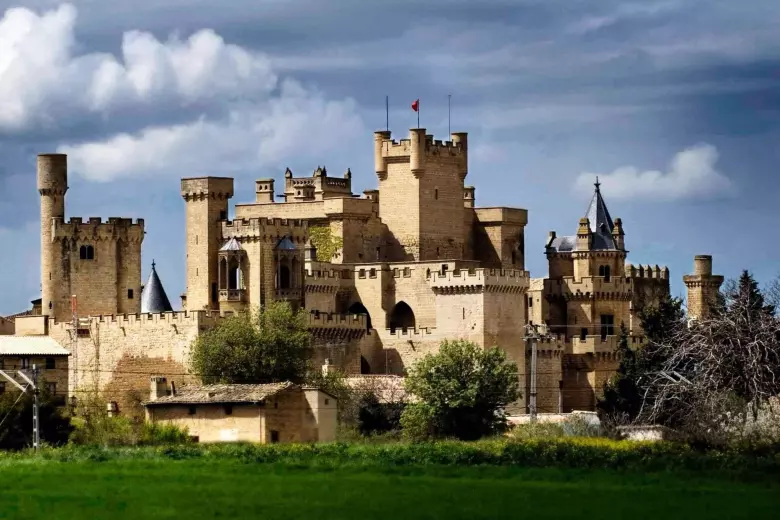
x=232, y=295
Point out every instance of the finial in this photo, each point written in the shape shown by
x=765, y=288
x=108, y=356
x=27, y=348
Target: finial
x=597, y=183
x=348, y=174
x=153, y=264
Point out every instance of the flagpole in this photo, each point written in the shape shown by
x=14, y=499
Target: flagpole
x=418, y=113
x=387, y=113
x=449, y=114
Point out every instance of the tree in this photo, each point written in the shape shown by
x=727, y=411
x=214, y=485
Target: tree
x=461, y=392
x=268, y=345
x=720, y=371
x=16, y=416
x=623, y=393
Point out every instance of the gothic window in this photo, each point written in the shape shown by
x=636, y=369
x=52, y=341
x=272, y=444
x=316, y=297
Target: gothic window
x=87, y=253
x=284, y=277
x=402, y=317
x=583, y=333
x=604, y=271
x=234, y=274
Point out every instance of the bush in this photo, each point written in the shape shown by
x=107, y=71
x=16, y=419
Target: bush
x=462, y=392
x=94, y=427
x=16, y=416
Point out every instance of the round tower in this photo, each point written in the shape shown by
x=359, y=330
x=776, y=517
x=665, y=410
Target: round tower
x=380, y=163
x=52, y=185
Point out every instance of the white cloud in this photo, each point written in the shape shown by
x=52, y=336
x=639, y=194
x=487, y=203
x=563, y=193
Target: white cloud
x=691, y=174
x=298, y=121
x=194, y=104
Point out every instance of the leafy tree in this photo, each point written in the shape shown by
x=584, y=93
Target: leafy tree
x=16, y=417
x=268, y=345
x=461, y=392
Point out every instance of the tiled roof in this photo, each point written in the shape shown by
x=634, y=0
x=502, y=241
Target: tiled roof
x=564, y=244
x=153, y=297
x=30, y=346
x=215, y=394
x=13, y=317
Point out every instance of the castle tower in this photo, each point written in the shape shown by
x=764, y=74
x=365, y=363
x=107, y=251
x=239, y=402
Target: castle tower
x=206, y=206
x=422, y=194
x=702, y=287
x=52, y=186
x=97, y=262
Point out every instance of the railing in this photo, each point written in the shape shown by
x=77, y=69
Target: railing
x=232, y=295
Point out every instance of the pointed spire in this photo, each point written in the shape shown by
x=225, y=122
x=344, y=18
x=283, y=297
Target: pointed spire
x=153, y=297
x=601, y=224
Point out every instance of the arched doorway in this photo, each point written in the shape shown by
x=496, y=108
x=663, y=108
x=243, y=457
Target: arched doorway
x=365, y=368
x=359, y=308
x=401, y=317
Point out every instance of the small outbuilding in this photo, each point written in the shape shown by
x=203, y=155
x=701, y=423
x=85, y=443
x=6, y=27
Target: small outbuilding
x=262, y=413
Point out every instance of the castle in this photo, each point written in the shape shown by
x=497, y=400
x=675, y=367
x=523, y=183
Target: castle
x=385, y=277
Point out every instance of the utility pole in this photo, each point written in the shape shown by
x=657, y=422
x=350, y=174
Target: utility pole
x=31, y=382
x=533, y=336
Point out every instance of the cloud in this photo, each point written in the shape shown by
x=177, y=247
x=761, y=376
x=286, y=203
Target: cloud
x=298, y=121
x=194, y=104
x=691, y=174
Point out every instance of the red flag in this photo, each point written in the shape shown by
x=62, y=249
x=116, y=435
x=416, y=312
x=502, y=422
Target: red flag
x=416, y=105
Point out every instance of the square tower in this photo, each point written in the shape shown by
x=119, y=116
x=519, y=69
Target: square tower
x=421, y=194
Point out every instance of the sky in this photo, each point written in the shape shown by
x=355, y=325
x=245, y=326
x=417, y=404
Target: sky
x=675, y=105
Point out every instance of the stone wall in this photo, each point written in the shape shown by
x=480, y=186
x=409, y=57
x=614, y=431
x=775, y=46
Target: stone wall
x=211, y=423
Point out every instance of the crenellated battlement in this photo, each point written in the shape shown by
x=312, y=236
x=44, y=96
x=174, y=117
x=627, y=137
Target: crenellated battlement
x=493, y=280
x=262, y=227
x=201, y=188
x=95, y=228
x=647, y=272
x=418, y=149
x=423, y=333
x=568, y=287
x=328, y=320
x=599, y=345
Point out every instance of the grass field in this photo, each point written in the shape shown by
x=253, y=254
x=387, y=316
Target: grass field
x=194, y=489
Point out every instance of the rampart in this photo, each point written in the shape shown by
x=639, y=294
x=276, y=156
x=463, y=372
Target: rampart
x=94, y=228
x=264, y=227
x=497, y=280
x=647, y=272
x=592, y=286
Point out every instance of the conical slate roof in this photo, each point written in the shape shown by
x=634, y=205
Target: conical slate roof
x=153, y=297
x=601, y=224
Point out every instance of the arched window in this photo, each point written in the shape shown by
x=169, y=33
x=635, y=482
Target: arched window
x=83, y=252
x=604, y=271
x=365, y=368
x=402, y=317
x=90, y=253
x=234, y=274
x=223, y=274
x=284, y=277
x=87, y=253
x=360, y=309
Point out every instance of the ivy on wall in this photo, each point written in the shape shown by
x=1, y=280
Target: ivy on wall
x=326, y=244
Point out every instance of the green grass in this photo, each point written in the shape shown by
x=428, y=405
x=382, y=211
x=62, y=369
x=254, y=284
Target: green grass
x=207, y=488
x=543, y=478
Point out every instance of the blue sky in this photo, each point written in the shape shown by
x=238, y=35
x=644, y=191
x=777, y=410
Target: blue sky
x=674, y=104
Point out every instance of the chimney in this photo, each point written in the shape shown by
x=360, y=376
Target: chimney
x=159, y=388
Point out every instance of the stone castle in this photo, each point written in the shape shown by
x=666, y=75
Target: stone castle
x=385, y=277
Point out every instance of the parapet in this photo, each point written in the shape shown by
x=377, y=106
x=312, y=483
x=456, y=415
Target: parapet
x=469, y=280
x=647, y=272
x=517, y=216
x=327, y=320
x=265, y=227
x=178, y=318
x=113, y=229
x=419, y=148
x=200, y=188
x=702, y=265
x=702, y=273
x=349, y=207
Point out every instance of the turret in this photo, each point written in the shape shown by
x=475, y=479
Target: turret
x=618, y=234
x=264, y=190
x=461, y=140
x=417, y=145
x=468, y=196
x=380, y=160
x=583, y=235
x=206, y=206
x=52, y=186
x=702, y=287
